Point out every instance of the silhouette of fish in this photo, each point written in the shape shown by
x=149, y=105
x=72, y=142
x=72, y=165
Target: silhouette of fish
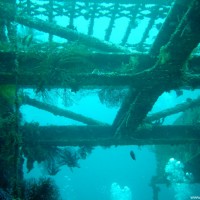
x=132, y=154
x=27, y=40
x=179, y=93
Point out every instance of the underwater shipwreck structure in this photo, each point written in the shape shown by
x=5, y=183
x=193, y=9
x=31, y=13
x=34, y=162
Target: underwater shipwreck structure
x=168, y=60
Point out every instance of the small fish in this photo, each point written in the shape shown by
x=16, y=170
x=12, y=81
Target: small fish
x=72, y=27
x=95, y=71
x=132, y=154
x=179, y=93
x=27, y=40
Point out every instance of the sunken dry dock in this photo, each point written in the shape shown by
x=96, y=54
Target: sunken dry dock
x=145, y=70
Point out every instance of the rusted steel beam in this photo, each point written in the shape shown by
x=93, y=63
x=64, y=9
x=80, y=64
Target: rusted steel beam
x=104, y=136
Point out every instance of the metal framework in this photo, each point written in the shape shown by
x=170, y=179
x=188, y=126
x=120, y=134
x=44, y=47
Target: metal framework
x=150, y=69
x=146, y=68
x=134, y=12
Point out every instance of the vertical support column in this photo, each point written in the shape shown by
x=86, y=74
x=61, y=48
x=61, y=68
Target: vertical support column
x=92, y=18
x=3, y=37
x=28, y=3
x=154, y=14
x=131, y=24
x=12, y=28
x=11, y=175
x=72, y=15
x=112, y=21
x=9, y=27
x=155, y=188
x=50, y=17
x=11, y=161
x=29, y=11
x=18, y=160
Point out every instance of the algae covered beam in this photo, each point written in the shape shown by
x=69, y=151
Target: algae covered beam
x=73, y=81
x=61, y=112
x=103, y=135
x=168, y=71
x=192, y=79
x=170, y=111
x=175, y=15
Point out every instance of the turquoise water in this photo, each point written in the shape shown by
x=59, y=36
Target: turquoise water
x=104, y=167
x=107, y=166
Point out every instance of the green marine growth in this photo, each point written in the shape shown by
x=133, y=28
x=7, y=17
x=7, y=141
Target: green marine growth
x=8, y=121
x=133, y=66
x=10, y=141
x=164, y=55
x=7, y=98
x=43, y=189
